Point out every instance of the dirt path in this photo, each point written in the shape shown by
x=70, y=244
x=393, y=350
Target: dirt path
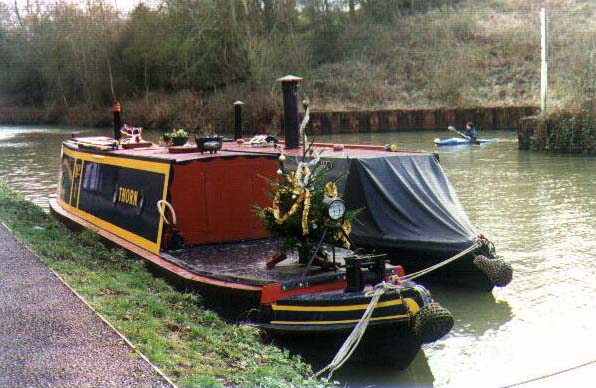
x=50, y=338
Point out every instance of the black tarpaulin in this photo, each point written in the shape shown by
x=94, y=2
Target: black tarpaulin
x=409, y=206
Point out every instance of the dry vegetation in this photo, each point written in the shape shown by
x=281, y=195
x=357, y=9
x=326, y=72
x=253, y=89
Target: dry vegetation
x=467, y=54
x=169, y=70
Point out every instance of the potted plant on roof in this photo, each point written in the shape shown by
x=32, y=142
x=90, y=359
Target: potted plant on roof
x=177, y=137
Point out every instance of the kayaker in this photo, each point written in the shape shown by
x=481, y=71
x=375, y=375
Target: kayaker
x=471, y=130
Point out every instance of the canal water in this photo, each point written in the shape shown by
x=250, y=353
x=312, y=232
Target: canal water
x=538, y=209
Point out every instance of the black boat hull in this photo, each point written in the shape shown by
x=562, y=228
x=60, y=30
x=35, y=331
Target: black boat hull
x=385, y=346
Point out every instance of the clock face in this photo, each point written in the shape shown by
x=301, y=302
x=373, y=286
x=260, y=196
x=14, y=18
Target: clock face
x=337, y=210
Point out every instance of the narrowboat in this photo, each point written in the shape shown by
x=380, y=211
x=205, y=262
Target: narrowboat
x=189, y=212
x=207, y=238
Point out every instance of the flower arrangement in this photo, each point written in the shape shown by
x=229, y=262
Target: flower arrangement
x=176, y=137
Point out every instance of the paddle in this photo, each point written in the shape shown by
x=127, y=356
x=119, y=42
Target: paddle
x=453, y=129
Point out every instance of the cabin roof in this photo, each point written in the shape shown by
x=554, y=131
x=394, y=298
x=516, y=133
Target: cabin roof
x=230, y=149
x=351, y=150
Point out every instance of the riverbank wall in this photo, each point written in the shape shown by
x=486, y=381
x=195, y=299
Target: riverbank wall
x=325, y=122
x=572, y=132
x=506, y=118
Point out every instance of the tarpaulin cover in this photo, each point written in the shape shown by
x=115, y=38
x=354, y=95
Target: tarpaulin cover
x=409, y=205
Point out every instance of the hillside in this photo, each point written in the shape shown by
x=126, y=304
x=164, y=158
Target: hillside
x=184, y=63
x=467, y=54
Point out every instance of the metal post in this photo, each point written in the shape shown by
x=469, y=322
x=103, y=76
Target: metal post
x=289, y=85
x=543, y=62
x=117, y=123
x=238, y=120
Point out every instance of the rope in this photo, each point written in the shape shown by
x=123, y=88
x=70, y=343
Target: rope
x=351, y=343
x=443, y=263
x=487, y=243
x=160, y=210
x=551, y=374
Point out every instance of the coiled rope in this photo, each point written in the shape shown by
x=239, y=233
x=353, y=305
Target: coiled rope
x=351, y=343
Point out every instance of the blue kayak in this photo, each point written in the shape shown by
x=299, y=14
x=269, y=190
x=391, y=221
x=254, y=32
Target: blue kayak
x=459, y=141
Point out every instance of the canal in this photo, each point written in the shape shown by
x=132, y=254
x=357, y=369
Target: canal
x=538, y=209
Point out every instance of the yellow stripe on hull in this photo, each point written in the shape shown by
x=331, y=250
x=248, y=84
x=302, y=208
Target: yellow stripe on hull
x=312, y=323
x=353, y=307
x=80, y=183
x=144, y=165
x=149, y=245
x=413, y=306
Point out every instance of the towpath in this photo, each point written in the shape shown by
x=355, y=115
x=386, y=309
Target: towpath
x=50, y=338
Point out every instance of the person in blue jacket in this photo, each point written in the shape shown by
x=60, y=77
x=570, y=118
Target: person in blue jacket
x=471, y=130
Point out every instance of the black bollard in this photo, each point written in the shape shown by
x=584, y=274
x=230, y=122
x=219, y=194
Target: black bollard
x=117, y=123
x=289, y=85
x=238, y=120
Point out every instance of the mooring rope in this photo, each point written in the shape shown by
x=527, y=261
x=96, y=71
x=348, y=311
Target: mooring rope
x=550, y=374
x=443, y=263
x=351, y=343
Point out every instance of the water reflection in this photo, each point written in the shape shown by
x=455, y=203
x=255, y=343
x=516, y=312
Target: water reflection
x=418, y=374
x=319, y=351
x=29, y=159
x=475, y=313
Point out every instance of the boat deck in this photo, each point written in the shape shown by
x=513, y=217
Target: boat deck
x=244, y=262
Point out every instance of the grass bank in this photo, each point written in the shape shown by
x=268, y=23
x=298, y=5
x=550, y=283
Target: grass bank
x=192, y=345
